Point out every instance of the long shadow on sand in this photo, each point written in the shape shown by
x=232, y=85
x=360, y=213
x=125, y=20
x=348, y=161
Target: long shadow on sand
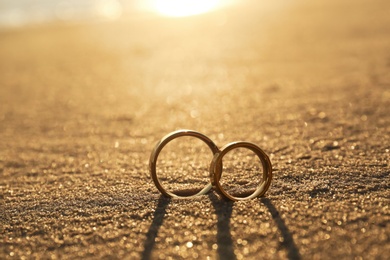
x=158, y=219
x=223, y=210
x=288, y=241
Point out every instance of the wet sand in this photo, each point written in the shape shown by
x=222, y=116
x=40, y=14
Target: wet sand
x=82, y=106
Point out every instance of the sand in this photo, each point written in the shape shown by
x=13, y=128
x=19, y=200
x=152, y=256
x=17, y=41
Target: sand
x=83, y=104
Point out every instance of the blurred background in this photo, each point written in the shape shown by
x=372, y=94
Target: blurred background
x=22, y=12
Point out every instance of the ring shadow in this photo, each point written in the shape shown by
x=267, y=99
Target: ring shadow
x=158, y=219
x=288, y=240
x=223, y=209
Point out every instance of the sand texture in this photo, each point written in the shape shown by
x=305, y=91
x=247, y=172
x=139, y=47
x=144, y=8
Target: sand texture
x=83, y=104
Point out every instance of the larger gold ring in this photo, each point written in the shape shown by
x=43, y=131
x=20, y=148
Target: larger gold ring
x=160, y=145
x=216, y=170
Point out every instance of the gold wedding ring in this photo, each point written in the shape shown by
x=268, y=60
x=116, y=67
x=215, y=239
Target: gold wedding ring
x=160, y=145
x=216, y=166
x=216, y=170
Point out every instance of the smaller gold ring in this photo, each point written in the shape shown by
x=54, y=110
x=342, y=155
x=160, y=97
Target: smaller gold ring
x=216, y=170
x=160, y=145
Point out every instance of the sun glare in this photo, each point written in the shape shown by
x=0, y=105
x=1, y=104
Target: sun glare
x=180, y=8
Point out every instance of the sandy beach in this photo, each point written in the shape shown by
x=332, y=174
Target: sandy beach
x=82, y=104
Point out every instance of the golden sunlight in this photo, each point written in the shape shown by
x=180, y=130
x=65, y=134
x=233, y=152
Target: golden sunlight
x=180, y=8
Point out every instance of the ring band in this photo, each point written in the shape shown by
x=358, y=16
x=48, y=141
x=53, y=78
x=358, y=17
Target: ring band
x=160, y=145
x=216, y=170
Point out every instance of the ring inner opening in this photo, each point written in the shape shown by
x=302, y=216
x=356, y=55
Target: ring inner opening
x=242, y=172
x=183, y=166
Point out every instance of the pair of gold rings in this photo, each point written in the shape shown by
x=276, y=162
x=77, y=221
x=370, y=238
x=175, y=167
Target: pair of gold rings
x=215, y=166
